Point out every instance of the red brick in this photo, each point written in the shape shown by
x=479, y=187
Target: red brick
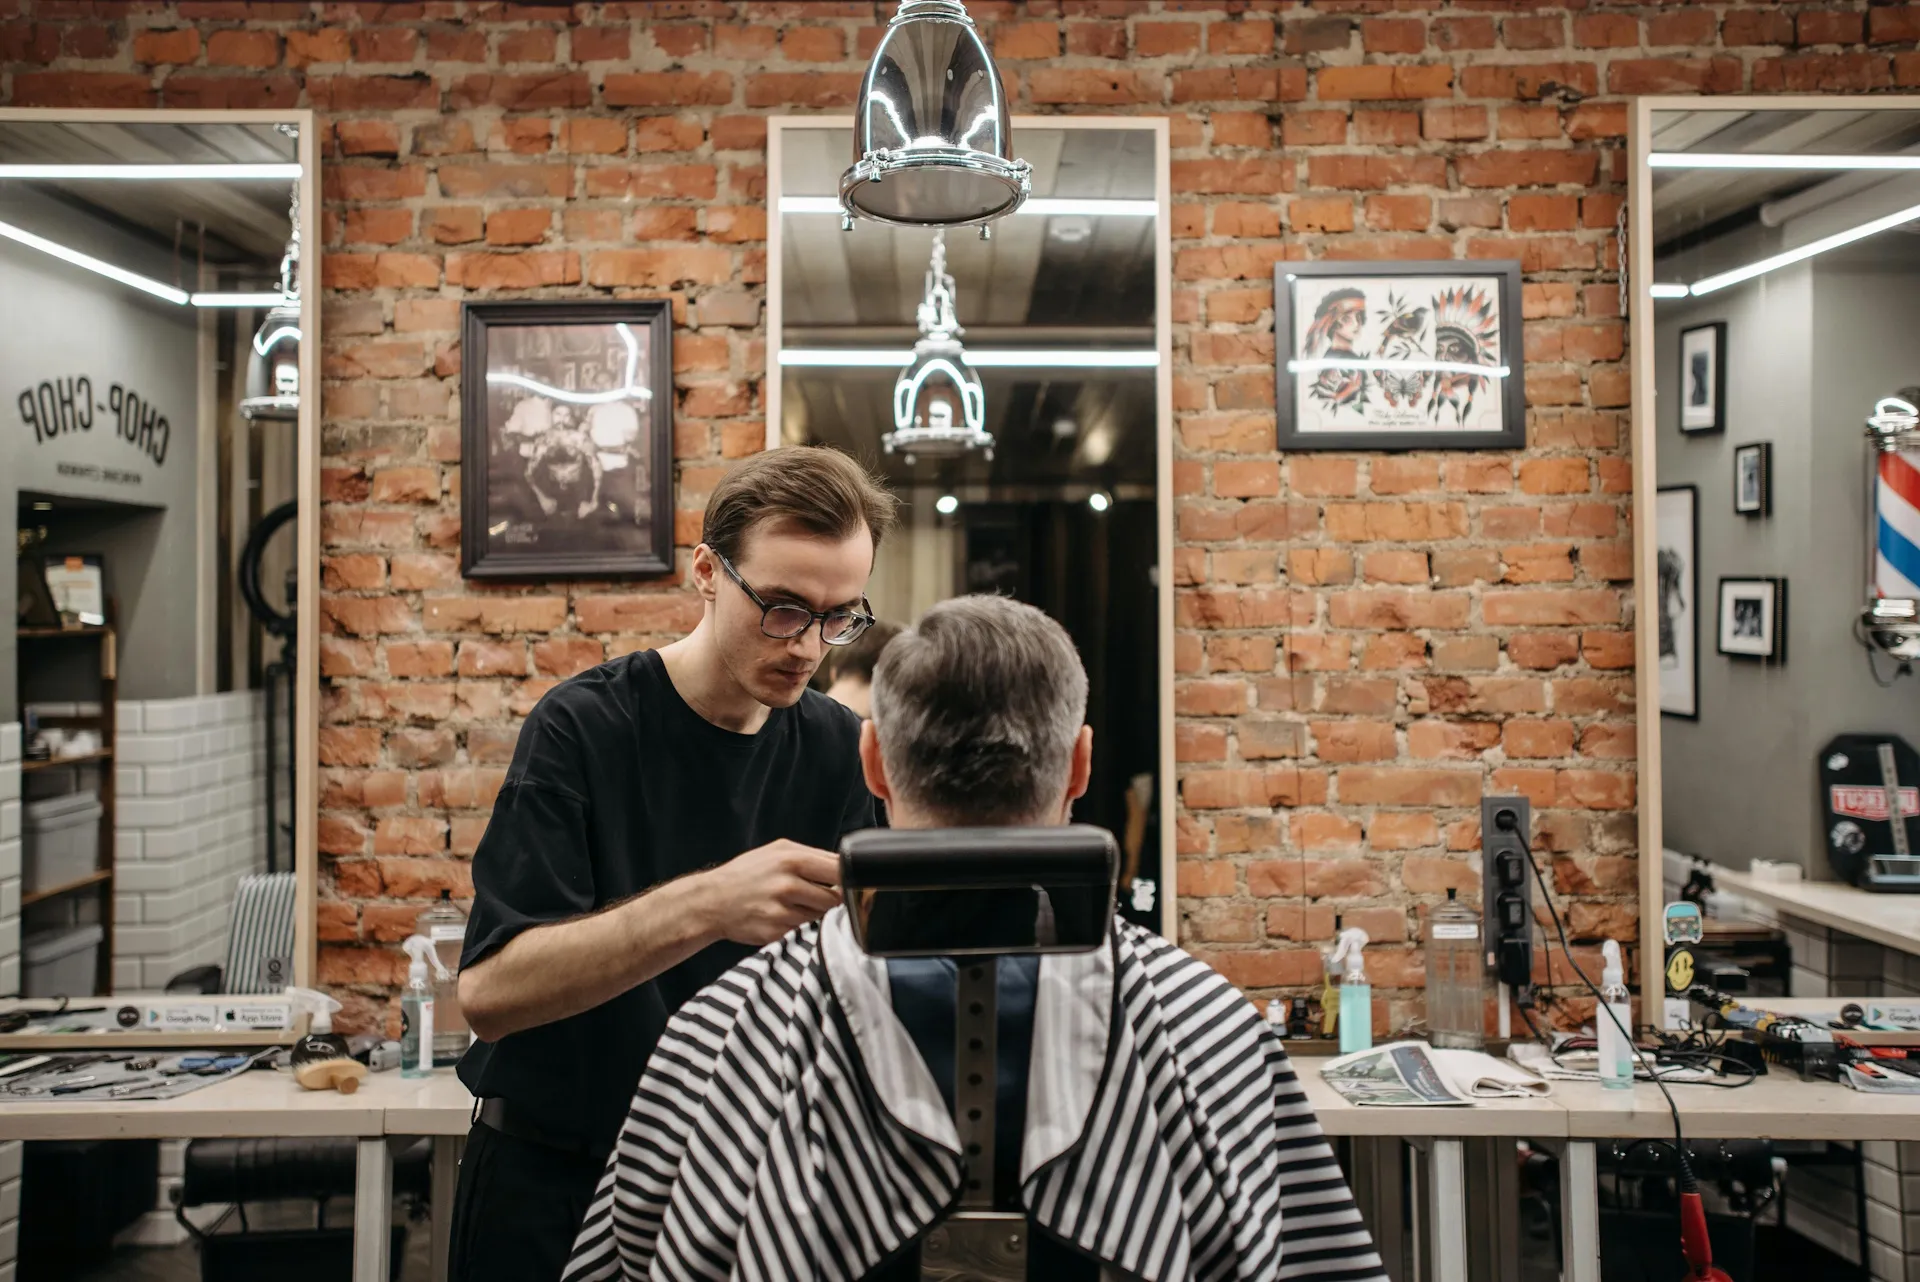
x=1319, y=35
x=802, y=89
x=1371, y=173
x=1320, y=213
x=1088, y=40
x=367, y=137
x=452, y=224
x=1676, y=75
x=1398, y=213
x=523, y=136
x=1396, y=522
x=385, y=44
x=1354, y=740
x=1406, y=786
x=452, y=44
x=377, y=226
x=1530, y=81
x=233, y=48
x=512, y=181
x=1386, y=128
x=1393, y=35
x=1683, y=26
x=1212, y=878
x=1550, y=608
x=1542, y=32
x=1157, y=39
x=668, y=89
x=1592, y=120
x=518, y=226
x=1457, y=33
x=1607, y=650
x=81, y=89
x=813, y=44
x=1239, y=84
x=1246, y=36
x=178, y=45
x=531, y=44
x=1884, y=26
x=1453, y=123
x=1373, y=82
x=1309, y=128
x=1529, y=122
x=1822, y=73
x=600, y=44
x=1606, y=31
x=660, y=268
x=1534, y=168
x=513, y=271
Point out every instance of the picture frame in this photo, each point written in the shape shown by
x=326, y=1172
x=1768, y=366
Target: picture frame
x=77, y=586
x=1753, y=479
x=1703, y=379
x=1677, y=542
x=1379, y=355
x=566, y=430
x=1753, y=618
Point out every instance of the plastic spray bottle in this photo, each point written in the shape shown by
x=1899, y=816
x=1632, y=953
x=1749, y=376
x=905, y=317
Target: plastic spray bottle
x=416, y=1011
x=1614, y=1021
x=321, y=1042
x=1356, y=994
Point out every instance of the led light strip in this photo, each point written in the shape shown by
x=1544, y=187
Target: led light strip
x=153, y=173
x=629, y=391
x=1765, y=160
x=268, y=299
x=1663, y=290
x=1044, y=206
x=146, y=284
x=1006, y=358
x=1804, y=252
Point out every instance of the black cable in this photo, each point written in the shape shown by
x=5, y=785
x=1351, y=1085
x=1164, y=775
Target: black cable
x=1687, y=1182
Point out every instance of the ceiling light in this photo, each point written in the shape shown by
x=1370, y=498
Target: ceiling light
x=1065, y=429
x=1765, y=160
x=153, y=173
x=939, y=407
x=95, y=265
x=273, y=369
x=946, y=505
x=268, y=298
x=1663, y=290
x=932, y=145
x=1070, y=229
x=1806, y=251
x=979, y=358
x=1037, y=206
x=1099, y=500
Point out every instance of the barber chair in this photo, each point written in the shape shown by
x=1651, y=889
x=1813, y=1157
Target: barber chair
x=973, y=895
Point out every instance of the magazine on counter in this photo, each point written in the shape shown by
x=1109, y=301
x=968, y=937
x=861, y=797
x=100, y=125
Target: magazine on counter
x=1414, y=1074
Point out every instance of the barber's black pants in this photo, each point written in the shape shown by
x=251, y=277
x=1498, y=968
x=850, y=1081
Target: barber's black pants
x=518, y=1208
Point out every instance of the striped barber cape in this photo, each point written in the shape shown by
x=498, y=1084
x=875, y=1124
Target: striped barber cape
x=787, y=1129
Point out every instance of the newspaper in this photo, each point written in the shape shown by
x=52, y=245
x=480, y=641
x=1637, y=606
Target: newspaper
x=1414, y=1074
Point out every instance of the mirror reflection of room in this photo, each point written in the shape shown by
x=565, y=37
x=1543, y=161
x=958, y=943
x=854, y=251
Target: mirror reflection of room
x=149, y=395
x=1007, y=390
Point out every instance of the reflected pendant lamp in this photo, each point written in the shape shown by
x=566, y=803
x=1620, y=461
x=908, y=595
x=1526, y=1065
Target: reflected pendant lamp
x=931, y=142
x=273, y=364
x=939, y=406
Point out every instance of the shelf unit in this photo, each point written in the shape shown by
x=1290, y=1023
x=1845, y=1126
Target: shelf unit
x=99, y=882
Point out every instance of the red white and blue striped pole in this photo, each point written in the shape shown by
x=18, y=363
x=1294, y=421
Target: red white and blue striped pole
x=1896, y=508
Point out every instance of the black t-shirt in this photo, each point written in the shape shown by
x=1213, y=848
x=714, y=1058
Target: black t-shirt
x=617, y=786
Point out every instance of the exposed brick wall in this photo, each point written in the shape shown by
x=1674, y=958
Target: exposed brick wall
x=1365, y=642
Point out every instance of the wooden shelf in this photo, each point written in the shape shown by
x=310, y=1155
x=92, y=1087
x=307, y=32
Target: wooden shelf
x=91, y=879
x=54, y=763
x=89, y=630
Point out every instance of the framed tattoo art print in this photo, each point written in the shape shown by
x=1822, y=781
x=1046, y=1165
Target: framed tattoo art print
x=566, y=429
x=1703, y=378
x=1399, y=356
x=1676, y=538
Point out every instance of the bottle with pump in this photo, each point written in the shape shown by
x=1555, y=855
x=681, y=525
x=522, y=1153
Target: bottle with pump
x=416, y=1011
x=1616, y=1050
x=1456, y=977
x=446, y=926
x=1356, y=994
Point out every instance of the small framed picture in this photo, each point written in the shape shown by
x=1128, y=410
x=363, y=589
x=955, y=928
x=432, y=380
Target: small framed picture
x=77, y=585
x=1753, y=618
x=1676, y=534
x=566, y=430
x=1399, y=356
x=1703, y=378
x=1753, y=479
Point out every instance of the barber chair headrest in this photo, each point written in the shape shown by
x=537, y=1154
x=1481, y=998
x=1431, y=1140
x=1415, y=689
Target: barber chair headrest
x=945, y=892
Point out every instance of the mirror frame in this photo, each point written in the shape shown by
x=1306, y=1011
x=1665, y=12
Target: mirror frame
x=305, y=731
x=1645, y=437
x=770, y=393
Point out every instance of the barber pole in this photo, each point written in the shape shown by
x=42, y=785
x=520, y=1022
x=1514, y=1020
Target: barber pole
x=1896, y=507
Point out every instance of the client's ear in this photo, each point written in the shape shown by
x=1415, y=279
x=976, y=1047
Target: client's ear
x=1080, y=771
x=872, y=767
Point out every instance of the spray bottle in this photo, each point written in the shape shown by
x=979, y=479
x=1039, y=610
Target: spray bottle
x=321, y=1042
x=416, y=1011
x=1613, y=1021
x=1356, y=994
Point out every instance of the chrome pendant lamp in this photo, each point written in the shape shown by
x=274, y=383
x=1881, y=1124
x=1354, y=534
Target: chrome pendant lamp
x=273, y=367
x=931, y=143
x=939, y=406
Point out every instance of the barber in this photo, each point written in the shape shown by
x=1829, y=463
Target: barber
x=665, y=814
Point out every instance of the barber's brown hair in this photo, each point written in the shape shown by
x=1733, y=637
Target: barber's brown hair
x=816, y=487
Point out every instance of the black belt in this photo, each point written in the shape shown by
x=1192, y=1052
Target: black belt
x=497, y=1114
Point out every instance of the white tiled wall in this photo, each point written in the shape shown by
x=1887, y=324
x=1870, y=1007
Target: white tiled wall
x=10, y=859
x=190, y=784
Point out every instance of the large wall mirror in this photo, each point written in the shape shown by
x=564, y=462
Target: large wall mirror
x=1051, y=482
x=159, y=468
x=1776, y=299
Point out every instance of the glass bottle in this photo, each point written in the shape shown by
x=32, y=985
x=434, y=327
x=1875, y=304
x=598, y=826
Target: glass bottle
x=446, y=926
x=1456, y=975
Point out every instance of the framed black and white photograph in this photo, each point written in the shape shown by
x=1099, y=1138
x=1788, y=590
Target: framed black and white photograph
x=1399, y=356
x=1677, y=538
x=1703, y=378
x=1753, y=618
x=1753, y=479
x=566, y=428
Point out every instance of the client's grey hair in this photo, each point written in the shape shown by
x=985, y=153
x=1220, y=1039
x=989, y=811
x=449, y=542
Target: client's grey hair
x=977, y=707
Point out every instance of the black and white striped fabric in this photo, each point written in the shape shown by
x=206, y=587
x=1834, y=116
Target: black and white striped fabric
x=260, y=935
x=787, y=1130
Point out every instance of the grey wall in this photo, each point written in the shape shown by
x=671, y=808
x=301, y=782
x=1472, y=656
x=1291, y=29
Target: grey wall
x=59, y=322
x=1809, y=348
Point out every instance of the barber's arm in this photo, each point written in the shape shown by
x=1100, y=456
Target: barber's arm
x=554, y=971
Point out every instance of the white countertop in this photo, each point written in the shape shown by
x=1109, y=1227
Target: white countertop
x=1891, y=920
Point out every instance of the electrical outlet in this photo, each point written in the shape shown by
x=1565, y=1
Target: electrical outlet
x=1507, y=888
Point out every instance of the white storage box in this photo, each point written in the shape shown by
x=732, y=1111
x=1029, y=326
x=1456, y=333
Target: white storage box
x=61, y=963
x=62, y=840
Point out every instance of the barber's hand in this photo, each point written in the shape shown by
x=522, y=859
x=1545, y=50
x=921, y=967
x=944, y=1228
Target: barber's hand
x=757, y=897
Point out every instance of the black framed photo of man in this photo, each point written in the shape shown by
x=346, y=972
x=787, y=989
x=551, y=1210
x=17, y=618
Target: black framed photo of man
x=1703, y=378
x=1753, y=618
x=1753, y=479
x=1677, y=537
x=1399, y=356
x=566, y=424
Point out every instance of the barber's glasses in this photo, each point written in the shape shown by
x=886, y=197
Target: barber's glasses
x=784, y=622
